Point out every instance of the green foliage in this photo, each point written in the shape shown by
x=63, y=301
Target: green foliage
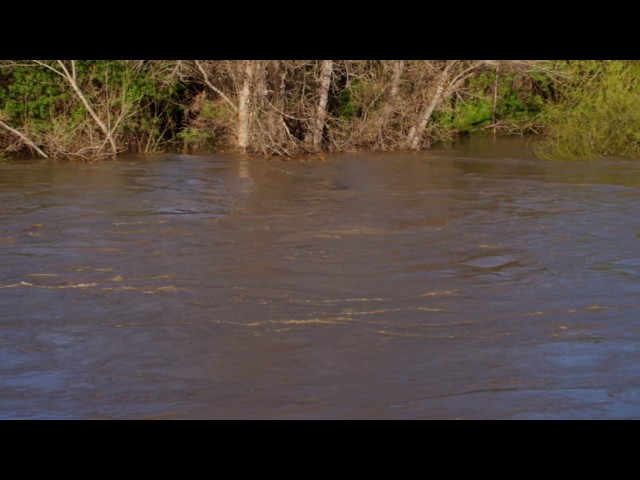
x=472, y=114
x=195, y=137
x=593, y=112
x=356, y=98
x=135, y=97
x=351, y=99
x=347, y=106
x=216, y=111
x=30, y=93
x=520, y=102
x=598, y=114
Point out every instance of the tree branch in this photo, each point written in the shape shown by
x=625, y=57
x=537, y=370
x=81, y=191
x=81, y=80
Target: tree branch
x=74, y=85
x=213, y=87
x=24, y=138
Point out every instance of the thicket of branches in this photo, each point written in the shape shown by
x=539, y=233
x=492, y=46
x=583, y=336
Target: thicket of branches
x=94, y=109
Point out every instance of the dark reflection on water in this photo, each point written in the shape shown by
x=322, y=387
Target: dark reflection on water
x=467, y=283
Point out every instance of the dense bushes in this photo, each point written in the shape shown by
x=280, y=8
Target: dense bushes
x=598, y=114
x=139, y=103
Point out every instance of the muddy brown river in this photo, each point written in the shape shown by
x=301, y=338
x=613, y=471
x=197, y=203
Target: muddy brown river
x=466, y=283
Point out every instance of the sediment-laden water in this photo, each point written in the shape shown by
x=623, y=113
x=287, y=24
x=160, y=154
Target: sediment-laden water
x=475, y=282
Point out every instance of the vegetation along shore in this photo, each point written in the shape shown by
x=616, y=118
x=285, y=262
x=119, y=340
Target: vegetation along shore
x=93, y=109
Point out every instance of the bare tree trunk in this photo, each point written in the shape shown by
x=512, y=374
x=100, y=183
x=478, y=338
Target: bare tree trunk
x=244, y=104
x=416, y=131
x=314, y=136
x=24, y=138
x=282, y=90
x=280, y=105
x=398, y=66
x=260, y=79
x=495, y=101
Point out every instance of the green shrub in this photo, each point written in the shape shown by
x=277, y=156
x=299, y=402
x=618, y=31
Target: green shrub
x=598, y=114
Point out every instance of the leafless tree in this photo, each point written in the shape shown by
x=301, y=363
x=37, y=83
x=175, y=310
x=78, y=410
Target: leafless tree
x=314, y=135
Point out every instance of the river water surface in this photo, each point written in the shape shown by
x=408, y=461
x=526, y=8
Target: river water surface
x=472, y=283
